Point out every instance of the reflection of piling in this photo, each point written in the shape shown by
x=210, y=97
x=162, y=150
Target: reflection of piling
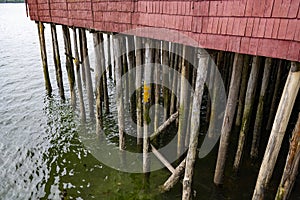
x=44, y=56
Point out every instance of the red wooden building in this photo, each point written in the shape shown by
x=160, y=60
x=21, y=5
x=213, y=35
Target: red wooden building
x=268, y=28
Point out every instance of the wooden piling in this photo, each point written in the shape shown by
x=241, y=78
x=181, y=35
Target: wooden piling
x=274, y=102
x=57, y=62
x=69, y=63
x=241, y=101
x=98, y=79
x=183, y=105
x=89, y=84
x=174, y=178
x=44, y=56
x=79, y=83
x=157, y=86
x=146, y=106
x=166, y=64
x=248, y=108
x=109, y=57
x=138, y=84
x=260, y=109
x=291, y=166
x=195, y=121
x=103, y=72
x=278, y=130
x=228, y=118
x=130, y=55
x=174, y=81
x=82, y=57
x=119, y=91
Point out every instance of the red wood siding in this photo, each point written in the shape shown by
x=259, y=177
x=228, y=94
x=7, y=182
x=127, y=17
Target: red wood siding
x=268, y=28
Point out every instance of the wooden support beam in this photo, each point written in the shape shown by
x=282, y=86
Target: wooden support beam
x=195, y=121
x=164, y=126
x=278, y=130
x=162, y=159
x=44, y=56
x=228, y=118
x=174, y=178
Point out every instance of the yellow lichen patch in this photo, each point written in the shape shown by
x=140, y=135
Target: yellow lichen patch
x=146, y=93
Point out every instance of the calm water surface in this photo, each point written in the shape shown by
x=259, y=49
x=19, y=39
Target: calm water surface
x=41, y=155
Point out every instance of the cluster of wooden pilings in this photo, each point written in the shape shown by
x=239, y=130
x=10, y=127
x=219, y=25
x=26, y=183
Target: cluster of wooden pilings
x=261, y=96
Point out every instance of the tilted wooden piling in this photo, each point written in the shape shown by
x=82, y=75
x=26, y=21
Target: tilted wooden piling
x=291, y=166
x=57, y=62
x=195, y=121
x=69, y=63
x=278, y=130
x=248, y=108
x=228, y=118
x=44, y=56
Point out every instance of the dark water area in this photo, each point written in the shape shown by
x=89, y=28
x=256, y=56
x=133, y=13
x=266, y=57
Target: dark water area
x=41, y=154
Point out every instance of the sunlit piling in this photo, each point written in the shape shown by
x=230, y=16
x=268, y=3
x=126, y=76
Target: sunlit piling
x=278, y=130
x=41, y=33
